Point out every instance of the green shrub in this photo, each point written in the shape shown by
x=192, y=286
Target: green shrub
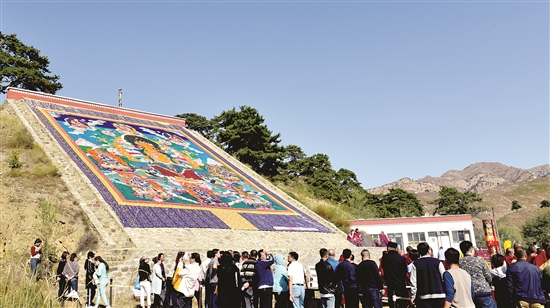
x=13, y=161
x=537, y=229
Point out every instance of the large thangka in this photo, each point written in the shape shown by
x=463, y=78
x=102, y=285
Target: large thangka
x=155, y=174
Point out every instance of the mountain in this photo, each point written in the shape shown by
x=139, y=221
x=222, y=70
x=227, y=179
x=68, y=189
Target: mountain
x=478, y=177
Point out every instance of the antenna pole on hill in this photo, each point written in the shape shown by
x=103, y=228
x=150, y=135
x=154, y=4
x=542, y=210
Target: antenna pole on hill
x=119, y=97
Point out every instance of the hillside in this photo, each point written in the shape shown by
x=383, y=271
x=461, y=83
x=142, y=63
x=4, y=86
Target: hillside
x=478, y=177
x=496, y=183
x=36, y=182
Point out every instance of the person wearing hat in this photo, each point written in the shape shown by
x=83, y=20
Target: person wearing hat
x=36, y=253
x=144, y=273
x=394, y=267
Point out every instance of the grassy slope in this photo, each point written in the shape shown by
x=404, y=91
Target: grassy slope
x=24, y=188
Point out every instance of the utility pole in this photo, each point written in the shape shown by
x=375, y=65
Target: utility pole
x=120, y=98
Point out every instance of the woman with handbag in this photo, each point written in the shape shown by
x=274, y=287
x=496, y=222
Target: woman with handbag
x=70, y=271
x=101, y=279
x=185, y=280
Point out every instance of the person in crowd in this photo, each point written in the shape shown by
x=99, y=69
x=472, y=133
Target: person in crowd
x=101, y=277
x=248, y=279
x=459, y=290
x=326, y=279
x=542, y=257
x=264, y=277
x=525, y=282
x=531, y=254
x=280, y=282
x=237, y=259
x=89, y=269
x=159, y=278
x=441, y=254
x=407, y=255
x=297, y=280
x=383, y=239
x=204, y=268
x=499, y=281
x=481, y=278
x=185, y=279
x=229, y=280
x=340, y=288
x=413, y=255
x=70, y=271
x=345, y=272
x=427, y=289
x=171, y=296
x=351, y=236
x=36, y=253
x=509, y=256
x=369, y=282
x=394, y=268
x=144, y=272
x=358, y=238
x=546, y=276
x=211, y=279
x=61, y=280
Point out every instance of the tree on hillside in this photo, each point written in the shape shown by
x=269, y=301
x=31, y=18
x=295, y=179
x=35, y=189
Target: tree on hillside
x=398, y=203
x=290, y=168
x=347, y=183
x=515, y=205
x=317, y=172
x=537, y=229
x=544, y=203
x=198, y=123
x=453, y=202
x=244, y=135
x=23, y=67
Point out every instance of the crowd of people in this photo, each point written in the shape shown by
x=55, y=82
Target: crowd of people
x=259, y=279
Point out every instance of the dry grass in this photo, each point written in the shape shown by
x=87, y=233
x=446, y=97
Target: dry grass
x=18, y=290
x=327, y=210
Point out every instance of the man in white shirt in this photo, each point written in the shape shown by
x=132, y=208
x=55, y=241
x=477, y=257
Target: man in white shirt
x=297, y=279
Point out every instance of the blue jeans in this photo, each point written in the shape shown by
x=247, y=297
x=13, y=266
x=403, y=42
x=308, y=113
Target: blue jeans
x=371, y=298
x=484, y=302
x=328, y=302
x=34, y=265
x=299, y=296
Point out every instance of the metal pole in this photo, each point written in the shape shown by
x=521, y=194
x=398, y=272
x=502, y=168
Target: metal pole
x=200, y=297
x=500, y=244
x=111, y=292
x=119, y=97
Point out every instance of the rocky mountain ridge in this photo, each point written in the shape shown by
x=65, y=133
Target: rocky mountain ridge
x=478, y=177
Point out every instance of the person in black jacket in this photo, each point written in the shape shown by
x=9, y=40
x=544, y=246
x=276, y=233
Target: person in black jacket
x=369, y=281
x=395, y=274
x=326, y=279
x=60, y=278
x=89, y=268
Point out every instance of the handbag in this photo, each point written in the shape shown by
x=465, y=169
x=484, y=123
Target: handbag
x=176, y=279
x=136, y=284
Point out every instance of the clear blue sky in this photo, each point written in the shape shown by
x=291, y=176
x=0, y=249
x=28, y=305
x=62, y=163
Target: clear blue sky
x=385, y=89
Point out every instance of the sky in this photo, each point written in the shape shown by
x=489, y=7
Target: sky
x=387, y=89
